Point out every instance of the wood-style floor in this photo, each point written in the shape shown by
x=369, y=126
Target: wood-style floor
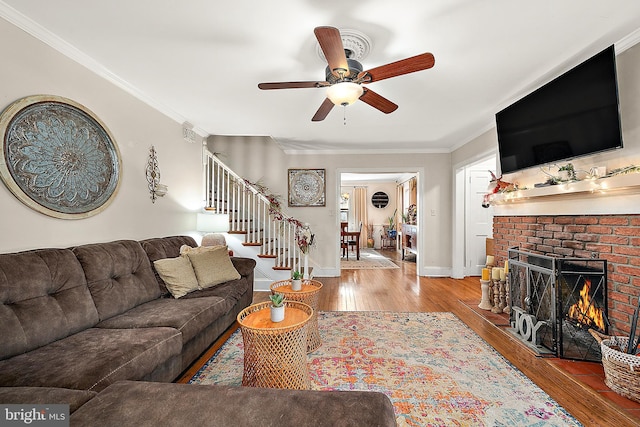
x=401, y=290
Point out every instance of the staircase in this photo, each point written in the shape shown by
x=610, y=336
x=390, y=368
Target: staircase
x=257, y=227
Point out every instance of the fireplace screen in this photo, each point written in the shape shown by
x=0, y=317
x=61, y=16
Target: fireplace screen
x=555, y=301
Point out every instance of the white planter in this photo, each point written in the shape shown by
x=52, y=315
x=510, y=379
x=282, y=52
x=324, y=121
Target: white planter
x=277, y=313
x=296, y=284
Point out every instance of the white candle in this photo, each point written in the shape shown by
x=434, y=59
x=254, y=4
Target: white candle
x=495, y=273
x=489, y=259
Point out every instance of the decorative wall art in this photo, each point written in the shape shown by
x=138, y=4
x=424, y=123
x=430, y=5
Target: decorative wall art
x=307, y=187
x=57, y=157
x=153, y=176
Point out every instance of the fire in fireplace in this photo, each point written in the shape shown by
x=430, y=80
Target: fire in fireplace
x=555, y=301
x=585, y=312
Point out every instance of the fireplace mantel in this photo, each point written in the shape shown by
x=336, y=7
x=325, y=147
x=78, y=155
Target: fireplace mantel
x=613, y=195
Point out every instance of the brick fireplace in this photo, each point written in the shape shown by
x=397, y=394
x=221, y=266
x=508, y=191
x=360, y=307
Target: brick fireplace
x=615, y=238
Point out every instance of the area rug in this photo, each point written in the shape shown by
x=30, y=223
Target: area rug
x=435, y=370
x=369, y=259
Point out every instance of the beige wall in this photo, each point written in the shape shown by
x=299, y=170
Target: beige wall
x=261, y=159
x=31, y=67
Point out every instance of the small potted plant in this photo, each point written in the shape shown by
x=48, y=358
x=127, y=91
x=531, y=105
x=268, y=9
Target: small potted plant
x=567, y=172
x=296, y=281
x=277, y=307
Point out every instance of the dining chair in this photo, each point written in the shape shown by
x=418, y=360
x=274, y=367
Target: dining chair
x=355, y=240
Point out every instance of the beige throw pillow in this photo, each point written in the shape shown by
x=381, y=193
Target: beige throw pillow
x=178, y=275
x=213, y=266
x=186, y=249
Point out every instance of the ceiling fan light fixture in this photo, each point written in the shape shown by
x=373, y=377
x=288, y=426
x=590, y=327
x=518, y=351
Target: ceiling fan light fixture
x=344, y=93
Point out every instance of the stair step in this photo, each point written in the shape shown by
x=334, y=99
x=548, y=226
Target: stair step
x=252, y=244
x=267, y=256
x=236, y=232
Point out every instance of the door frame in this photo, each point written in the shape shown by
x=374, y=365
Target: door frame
x=420, y=173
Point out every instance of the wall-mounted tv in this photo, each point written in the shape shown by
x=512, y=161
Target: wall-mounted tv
x=574, y=115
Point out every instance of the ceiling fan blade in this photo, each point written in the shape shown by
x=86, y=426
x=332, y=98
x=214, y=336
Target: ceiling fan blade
x=379, y=102
x=331, y=43
x=323, y=111
x=398, y=68
x=291, y=85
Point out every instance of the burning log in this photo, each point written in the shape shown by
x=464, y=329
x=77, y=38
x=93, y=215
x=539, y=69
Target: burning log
x=584, y=312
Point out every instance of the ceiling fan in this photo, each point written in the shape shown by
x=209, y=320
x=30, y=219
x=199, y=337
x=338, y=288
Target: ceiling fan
x=345, y=77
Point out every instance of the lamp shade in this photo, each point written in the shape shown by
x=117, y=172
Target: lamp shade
x=344, y=93
x=212, y=223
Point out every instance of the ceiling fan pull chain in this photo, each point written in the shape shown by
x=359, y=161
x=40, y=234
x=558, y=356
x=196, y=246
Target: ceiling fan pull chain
x=344, y=113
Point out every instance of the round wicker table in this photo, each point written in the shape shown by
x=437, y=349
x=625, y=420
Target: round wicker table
x=275, y=353
x=309, y=295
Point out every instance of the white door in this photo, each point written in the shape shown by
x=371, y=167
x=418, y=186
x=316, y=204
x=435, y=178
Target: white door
x=478, y=221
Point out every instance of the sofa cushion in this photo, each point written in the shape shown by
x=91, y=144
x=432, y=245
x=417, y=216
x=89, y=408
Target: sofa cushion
x=145, y=403
x=45, y=396
x=177, y=274
x=119, y=276
x=165, y=247
x=93, y=359
x=212, y=266
x=43, y=298
x=232, y=290
x=190, y=316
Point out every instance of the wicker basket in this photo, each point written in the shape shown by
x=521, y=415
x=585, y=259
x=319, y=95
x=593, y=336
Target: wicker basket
x=621, y=370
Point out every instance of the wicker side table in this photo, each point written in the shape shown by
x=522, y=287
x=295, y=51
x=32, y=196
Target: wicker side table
x=309, y=294
x=275, y=353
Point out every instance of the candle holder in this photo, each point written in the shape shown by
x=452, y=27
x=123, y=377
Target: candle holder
x=496, y=297
x=503, y=299
x=507, y=286
x=485, y=302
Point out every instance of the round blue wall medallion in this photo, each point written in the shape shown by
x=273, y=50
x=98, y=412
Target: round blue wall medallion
x=58, y=157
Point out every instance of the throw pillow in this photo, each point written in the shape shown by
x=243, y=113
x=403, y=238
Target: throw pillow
x=212, y=266
x=186, y=249
x=178, y=275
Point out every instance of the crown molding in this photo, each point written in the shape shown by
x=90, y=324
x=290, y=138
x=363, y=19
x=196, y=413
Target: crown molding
x=627, y=42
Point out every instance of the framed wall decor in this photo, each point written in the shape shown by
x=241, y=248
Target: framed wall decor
x=307, y=187
x=57, y=157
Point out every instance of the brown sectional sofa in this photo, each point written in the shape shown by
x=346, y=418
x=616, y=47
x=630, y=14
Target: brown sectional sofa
x=94, y=327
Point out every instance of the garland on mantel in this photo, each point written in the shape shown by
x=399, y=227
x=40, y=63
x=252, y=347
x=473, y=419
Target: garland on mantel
x=496, y=186
x=304, y=237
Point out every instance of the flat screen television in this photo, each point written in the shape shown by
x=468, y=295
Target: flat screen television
x=574, y=115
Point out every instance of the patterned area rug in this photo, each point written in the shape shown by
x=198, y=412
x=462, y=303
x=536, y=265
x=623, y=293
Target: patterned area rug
x=369, y=258
x=435, y=370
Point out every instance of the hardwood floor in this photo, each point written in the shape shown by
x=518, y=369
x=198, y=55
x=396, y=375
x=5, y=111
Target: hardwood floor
x=401, y=290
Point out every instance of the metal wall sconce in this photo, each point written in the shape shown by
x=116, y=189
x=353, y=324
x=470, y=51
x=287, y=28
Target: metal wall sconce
x=153, y=177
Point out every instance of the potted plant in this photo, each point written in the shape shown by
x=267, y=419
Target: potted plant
x=391, y=231
x=370, y=240
x=296, y=280
x=277, y=307
x=567, y=172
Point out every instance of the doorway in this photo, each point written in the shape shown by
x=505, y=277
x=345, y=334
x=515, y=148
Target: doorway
x=378, y=180
x=473, y=223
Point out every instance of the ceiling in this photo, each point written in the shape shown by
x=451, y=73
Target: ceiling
x=200, y=61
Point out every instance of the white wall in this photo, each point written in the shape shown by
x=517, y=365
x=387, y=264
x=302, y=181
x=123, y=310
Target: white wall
x=30, y=67
x=260, y=158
